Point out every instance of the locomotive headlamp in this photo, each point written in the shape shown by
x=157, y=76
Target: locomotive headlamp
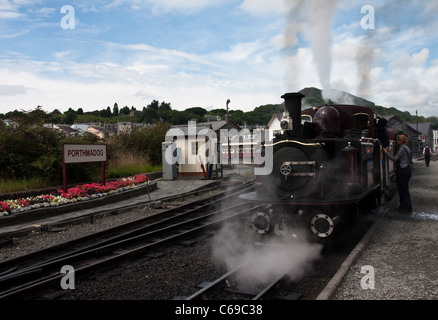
x=284, y=124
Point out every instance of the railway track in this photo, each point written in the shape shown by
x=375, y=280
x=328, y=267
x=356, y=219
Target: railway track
x=280, y=286
x=221, y=289
x=27, y=275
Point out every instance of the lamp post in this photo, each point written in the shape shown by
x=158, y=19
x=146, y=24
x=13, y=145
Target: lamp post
x=228, y=133
x=416, y=119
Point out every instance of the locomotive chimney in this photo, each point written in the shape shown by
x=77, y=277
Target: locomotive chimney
x=292, y=104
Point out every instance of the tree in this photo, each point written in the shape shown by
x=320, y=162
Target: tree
x=165, y=106
x=239, y=116
x=55, y=116
x=218, y=112
x=125, y=110
x=164, y=114
x=197, y=111
x=116, y=109
x=70, y=116
x=148, y=115
x=178, y=117
x=154, y=105
x=80, y=112
x=105, y=113
x=37, y=115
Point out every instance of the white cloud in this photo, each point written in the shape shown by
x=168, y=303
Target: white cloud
x=142, y=68
x=254, y=68
x=45, y=12
x=138, y=73
x=173, y=56
x=163, y=6
x=263, y=7
x=240, y=51
x=8, y=90
x=4, y=14
x=9, y=9
x=405, y=61
x=186, y=5
x=408, y=85
x=6, y=35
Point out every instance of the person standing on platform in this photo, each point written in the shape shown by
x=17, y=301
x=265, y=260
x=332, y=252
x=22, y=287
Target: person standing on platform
x=426, y=154
x=403, y=173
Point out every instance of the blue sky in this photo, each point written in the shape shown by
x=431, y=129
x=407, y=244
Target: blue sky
x=203, y=52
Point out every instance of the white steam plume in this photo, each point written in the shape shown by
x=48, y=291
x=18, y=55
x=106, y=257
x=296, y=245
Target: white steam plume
x=320, y=15
x=315, y=17
x=275, y=258
x=337, y=96
x=290, y=40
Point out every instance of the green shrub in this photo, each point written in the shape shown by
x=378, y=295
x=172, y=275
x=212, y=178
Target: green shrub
x=30, y=151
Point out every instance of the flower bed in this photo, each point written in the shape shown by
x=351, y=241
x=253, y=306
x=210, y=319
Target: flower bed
x=78, y=193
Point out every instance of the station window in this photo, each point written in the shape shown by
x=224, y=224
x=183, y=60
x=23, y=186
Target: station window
x=194, y=148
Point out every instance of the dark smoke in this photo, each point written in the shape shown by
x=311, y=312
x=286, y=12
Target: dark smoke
x=364, y=59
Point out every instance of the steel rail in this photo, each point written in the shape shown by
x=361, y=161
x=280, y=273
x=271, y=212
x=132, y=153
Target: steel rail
x=45, y=280
x=200, y=294
x=115, y=242
x=12, y=263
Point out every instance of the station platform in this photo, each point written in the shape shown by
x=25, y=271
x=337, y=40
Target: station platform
x=398, y=257
x=25, y=222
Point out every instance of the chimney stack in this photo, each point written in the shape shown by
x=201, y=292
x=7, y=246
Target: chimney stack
x=292, y=104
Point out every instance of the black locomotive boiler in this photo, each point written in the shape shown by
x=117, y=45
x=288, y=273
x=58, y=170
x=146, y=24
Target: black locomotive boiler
x=327, y=167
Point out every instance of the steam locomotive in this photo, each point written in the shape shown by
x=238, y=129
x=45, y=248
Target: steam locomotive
x=327, y=167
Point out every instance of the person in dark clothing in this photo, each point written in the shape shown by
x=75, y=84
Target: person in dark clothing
x=426, y=153
x=382, y=132
x=403, y=173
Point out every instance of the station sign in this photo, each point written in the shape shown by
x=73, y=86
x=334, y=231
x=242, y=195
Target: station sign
x=83, y=153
